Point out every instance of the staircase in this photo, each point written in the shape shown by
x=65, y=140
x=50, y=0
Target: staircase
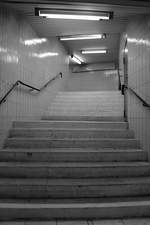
x=79, y=162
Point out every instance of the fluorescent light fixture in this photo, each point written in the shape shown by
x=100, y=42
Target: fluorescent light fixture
x=100, y=51
x=75, y=59
x=82, y=37
x=78, y=57
x=71, y=17
x=73, y=14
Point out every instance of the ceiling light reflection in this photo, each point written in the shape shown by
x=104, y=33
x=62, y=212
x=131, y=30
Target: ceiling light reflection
x=126, y=50
x=139, y=41
x=35, y=41
x=110, y=73
x=4, y=50
x=45, y=54
x=9, y=55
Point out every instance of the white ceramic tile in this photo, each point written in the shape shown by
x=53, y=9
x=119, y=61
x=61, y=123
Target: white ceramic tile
x=11, y=223
x=137, y=221
x=72, y=222
x=40, y=223
x=138, y=76
x=108, y=222
x=22, y=62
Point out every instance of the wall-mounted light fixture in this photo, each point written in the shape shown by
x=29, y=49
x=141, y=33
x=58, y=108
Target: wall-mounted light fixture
x=76, y=59
x=73, y=14
x=82, y=37
x=94, y=51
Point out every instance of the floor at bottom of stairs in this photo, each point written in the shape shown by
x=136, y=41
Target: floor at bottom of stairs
x=131, y=221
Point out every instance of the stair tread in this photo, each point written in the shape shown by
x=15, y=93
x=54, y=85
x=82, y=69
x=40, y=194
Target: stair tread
x=75, y=164
x=70, y=150
x=75, y=181
x=74, y=205
x=72, y=129
x=39, y=186
x=68, y=121
x=77, y=200
x=68, y=139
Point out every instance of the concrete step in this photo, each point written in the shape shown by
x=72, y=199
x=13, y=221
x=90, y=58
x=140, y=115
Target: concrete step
x=105, y=100
x=72, y=155
x=91, y=102
x=40, y=211
x=86, y=109
x=89, y=93
x=88, y=97
x=60, y=133
x=69, y=123
x=78, y=111
x=87, y=102
x=74, y=188
x=72, y=142
x=84, y=113
x=84, y=118
x=73, y=169
x=76, y=200
x=54, y=115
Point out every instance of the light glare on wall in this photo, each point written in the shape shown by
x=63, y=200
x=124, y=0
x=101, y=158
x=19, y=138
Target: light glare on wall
x=35, y=41
x=126, y=50
x=45, y=54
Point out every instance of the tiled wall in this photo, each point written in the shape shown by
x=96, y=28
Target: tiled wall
x=25, y=56
x=106, y=80
x=138, y=39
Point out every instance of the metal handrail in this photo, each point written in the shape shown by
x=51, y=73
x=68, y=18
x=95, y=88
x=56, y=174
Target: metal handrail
x=119, y=81
x=139, y=97
x=29, y=86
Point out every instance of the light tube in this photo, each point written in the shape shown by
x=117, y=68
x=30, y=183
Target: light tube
x=74, y=17
x=82, y=37
x=101, y=51
x=78, y=57
x=73, y=14
x=75, y=59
